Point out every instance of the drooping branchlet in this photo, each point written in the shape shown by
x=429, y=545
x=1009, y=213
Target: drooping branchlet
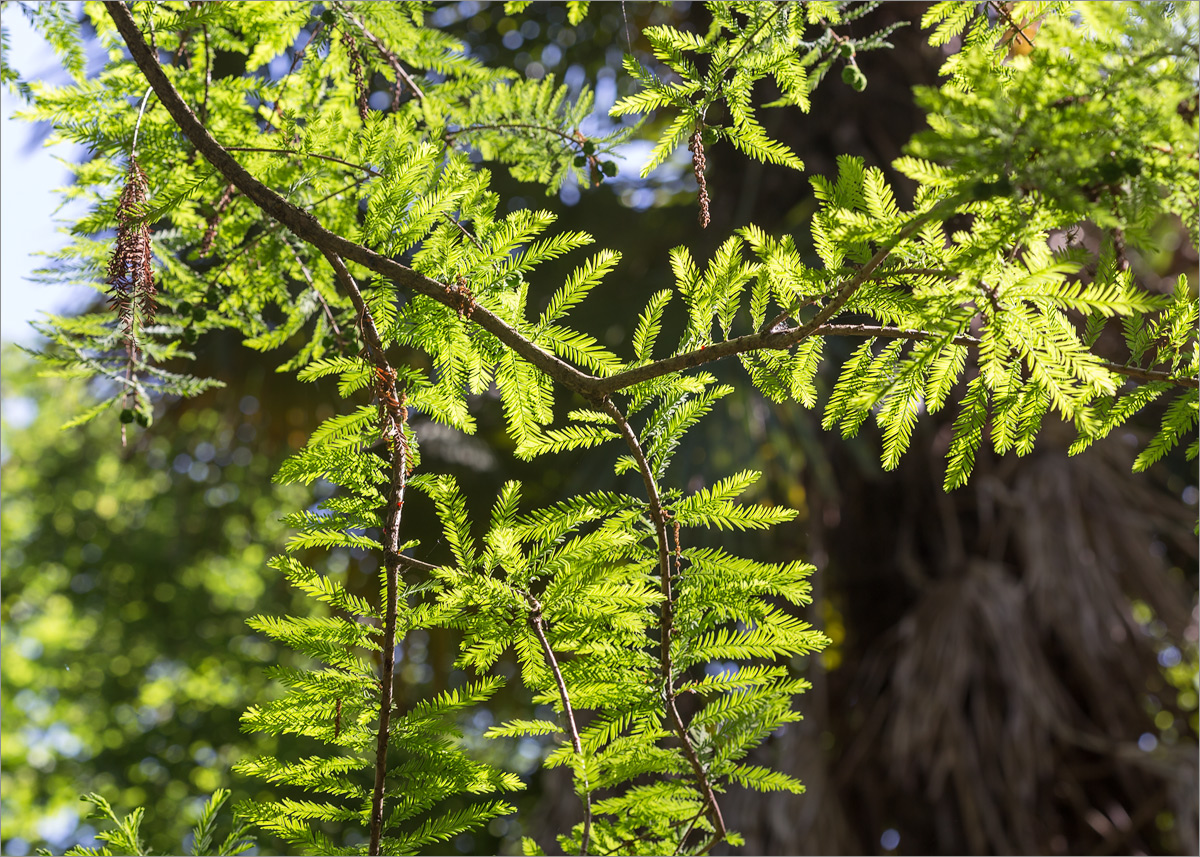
x=696, y=147
x=130, y=275
x=356, y=69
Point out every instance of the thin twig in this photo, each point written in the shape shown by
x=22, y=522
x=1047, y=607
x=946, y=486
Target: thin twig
x=774, y=340
x=417, y=565
x=308, y=277
x=214, y=222
x=507, y=126
x=388, y=55
x=590, y=386
x=398, y=451
x=183, y=40
x=287, y=77
x=138, y=125
x=207, y=76
x=659, y=518
x=1018, y=30
x=746, y=42
x=1151, y=375
x=883, y=332
x=261, y=150
x=337, y=192
x=273, y=228
x=862, y=274
x=688, y=830
x=478, y=244
x=622, y=846
x=941, y=273
x=538, y=624
x=247, y=247
x=308, y=228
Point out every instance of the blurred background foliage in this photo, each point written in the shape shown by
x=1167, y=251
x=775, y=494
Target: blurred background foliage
x=1013, y=667
x=126, y=582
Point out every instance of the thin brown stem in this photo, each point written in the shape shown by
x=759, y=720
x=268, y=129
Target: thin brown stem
x=393, y=416
x=884, y=332
x=622, y=847
x=246, y=248
x=940, y=273
x=350, y=164
x=295, y=62
x=1151, y=375
x=183, y=40
x=389, y=56
x=659, y=517
x=1118, y=237
x=688, y=830
x=1018, y=29
x=416, y=564
x=463, y=230
x=538, y=625
x=777, y=339
x=370, y=333
x=860, y=276
x=308, y=228
x=129, y=381
x=746, y=42
x=337, y=249
x=308, y=278
x=270, y=230
x=510, y=126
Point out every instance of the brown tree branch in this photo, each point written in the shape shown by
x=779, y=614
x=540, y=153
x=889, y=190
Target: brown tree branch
x=862, y=274
x=1017, y=29
x=393, y=417
x=659, y=518
x=1151, y=375
x=337, y=249
x=307, y=227
x=770, y=340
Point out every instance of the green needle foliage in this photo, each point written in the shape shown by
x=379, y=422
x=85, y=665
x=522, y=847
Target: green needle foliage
x=126, y=838
x=360, y=238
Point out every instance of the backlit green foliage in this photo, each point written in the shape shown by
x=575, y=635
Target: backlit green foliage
x=125, y=836
x=792, y=44
x=976, y=296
